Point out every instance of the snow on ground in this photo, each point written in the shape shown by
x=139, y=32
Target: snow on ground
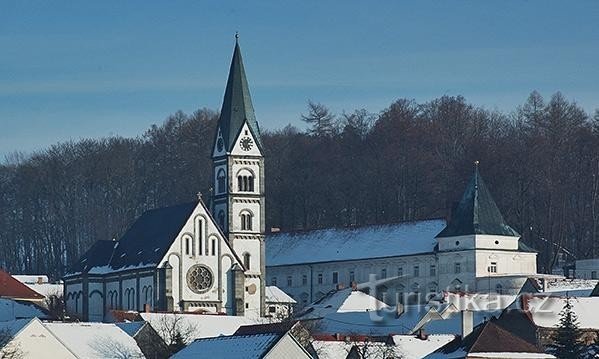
x=198, y=325
x=545, y=310
x=337, y=244
x=275, y=295
x=95, y=340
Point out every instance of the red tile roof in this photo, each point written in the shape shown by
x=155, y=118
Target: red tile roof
x=12, y=288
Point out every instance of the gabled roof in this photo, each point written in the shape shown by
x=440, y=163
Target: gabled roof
x=268, y=328
x=477, y=213
x=12, y=288
x=237, y=105
x=341, y=244
x=143, y=245
x=275, y=295
x=487, y=338
x=237, y=346
x=95, y=340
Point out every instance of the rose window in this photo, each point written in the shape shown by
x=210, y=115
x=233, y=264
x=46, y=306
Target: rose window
x=199, y=278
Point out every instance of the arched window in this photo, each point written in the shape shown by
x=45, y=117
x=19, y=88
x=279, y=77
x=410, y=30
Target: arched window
x=245, y=181
x=246, y=221
x=213, y=246
x=220, y=177
x=187, y=244
x=199, y=233
x=246, y=260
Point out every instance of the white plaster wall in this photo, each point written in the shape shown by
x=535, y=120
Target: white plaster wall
x=254, y=208
x=456, y=243
x=286, y=348
x=508, y=263
x=252, y=300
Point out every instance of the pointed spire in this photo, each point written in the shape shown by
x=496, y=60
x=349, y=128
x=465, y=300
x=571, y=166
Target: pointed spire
x=237, y=103
x=477, y=212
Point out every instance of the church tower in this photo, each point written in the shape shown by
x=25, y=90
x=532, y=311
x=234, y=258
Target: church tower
x=238, y=174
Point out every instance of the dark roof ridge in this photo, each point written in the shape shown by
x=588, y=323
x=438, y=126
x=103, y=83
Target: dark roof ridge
x=356, y=227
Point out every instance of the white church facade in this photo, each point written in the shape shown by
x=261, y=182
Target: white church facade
x=476, y=251
x=190, y=257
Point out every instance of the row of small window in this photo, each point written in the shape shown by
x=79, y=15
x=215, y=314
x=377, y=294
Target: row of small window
x=190, y=247
x=352, y=277
x=244, y=183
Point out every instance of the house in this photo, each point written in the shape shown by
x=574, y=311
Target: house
x=397, y=346
x=147, y=339
x=29, y=338
x=11, y=288
x=95, y=340
x=489, y=340
x=41, y=284
x=544, y=311
x=350, y=311
x=476, y=251
x=279, y=305
x=190, y=257
x=258, y=341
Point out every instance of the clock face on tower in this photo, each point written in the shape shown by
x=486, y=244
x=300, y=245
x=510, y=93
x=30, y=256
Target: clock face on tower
x=246, y=143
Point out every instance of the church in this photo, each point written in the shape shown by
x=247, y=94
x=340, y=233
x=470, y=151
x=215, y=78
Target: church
x=190, y=257
x=218, y=258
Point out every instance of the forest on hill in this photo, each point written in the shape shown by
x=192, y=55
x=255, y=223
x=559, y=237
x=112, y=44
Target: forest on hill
x=410, y=161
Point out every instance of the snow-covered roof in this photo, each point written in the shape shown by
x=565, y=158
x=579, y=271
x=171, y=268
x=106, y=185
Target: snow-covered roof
x=31, y=278
x=405, y=346
x=95, y=340
x=342, y=301
x=47, y=289
x=573, y=287
x=199, y=326
x=545, y=310
x=237, y=346
x=340, y=244
x=412, y=347
x=275, y=295
x=12, y=309
x=479, y=301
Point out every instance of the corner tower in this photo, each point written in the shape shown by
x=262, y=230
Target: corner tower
x=238, y=174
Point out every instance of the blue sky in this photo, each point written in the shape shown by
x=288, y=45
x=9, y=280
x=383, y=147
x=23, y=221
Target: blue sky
x=76, y=69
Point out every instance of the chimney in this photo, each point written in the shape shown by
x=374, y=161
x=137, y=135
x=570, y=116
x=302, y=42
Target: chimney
x=40, y=280
x=147, y=308
x=467, y=322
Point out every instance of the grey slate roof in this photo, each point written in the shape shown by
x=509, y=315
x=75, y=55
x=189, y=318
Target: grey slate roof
x=341, y=244
x=143, y=245
x=237, y=105
x=477, y=213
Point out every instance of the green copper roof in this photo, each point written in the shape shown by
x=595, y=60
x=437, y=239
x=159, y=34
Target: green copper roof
x=237, y=105
x=477, y=213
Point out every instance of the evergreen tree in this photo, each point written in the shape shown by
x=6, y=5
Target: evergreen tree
x=567, y=343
